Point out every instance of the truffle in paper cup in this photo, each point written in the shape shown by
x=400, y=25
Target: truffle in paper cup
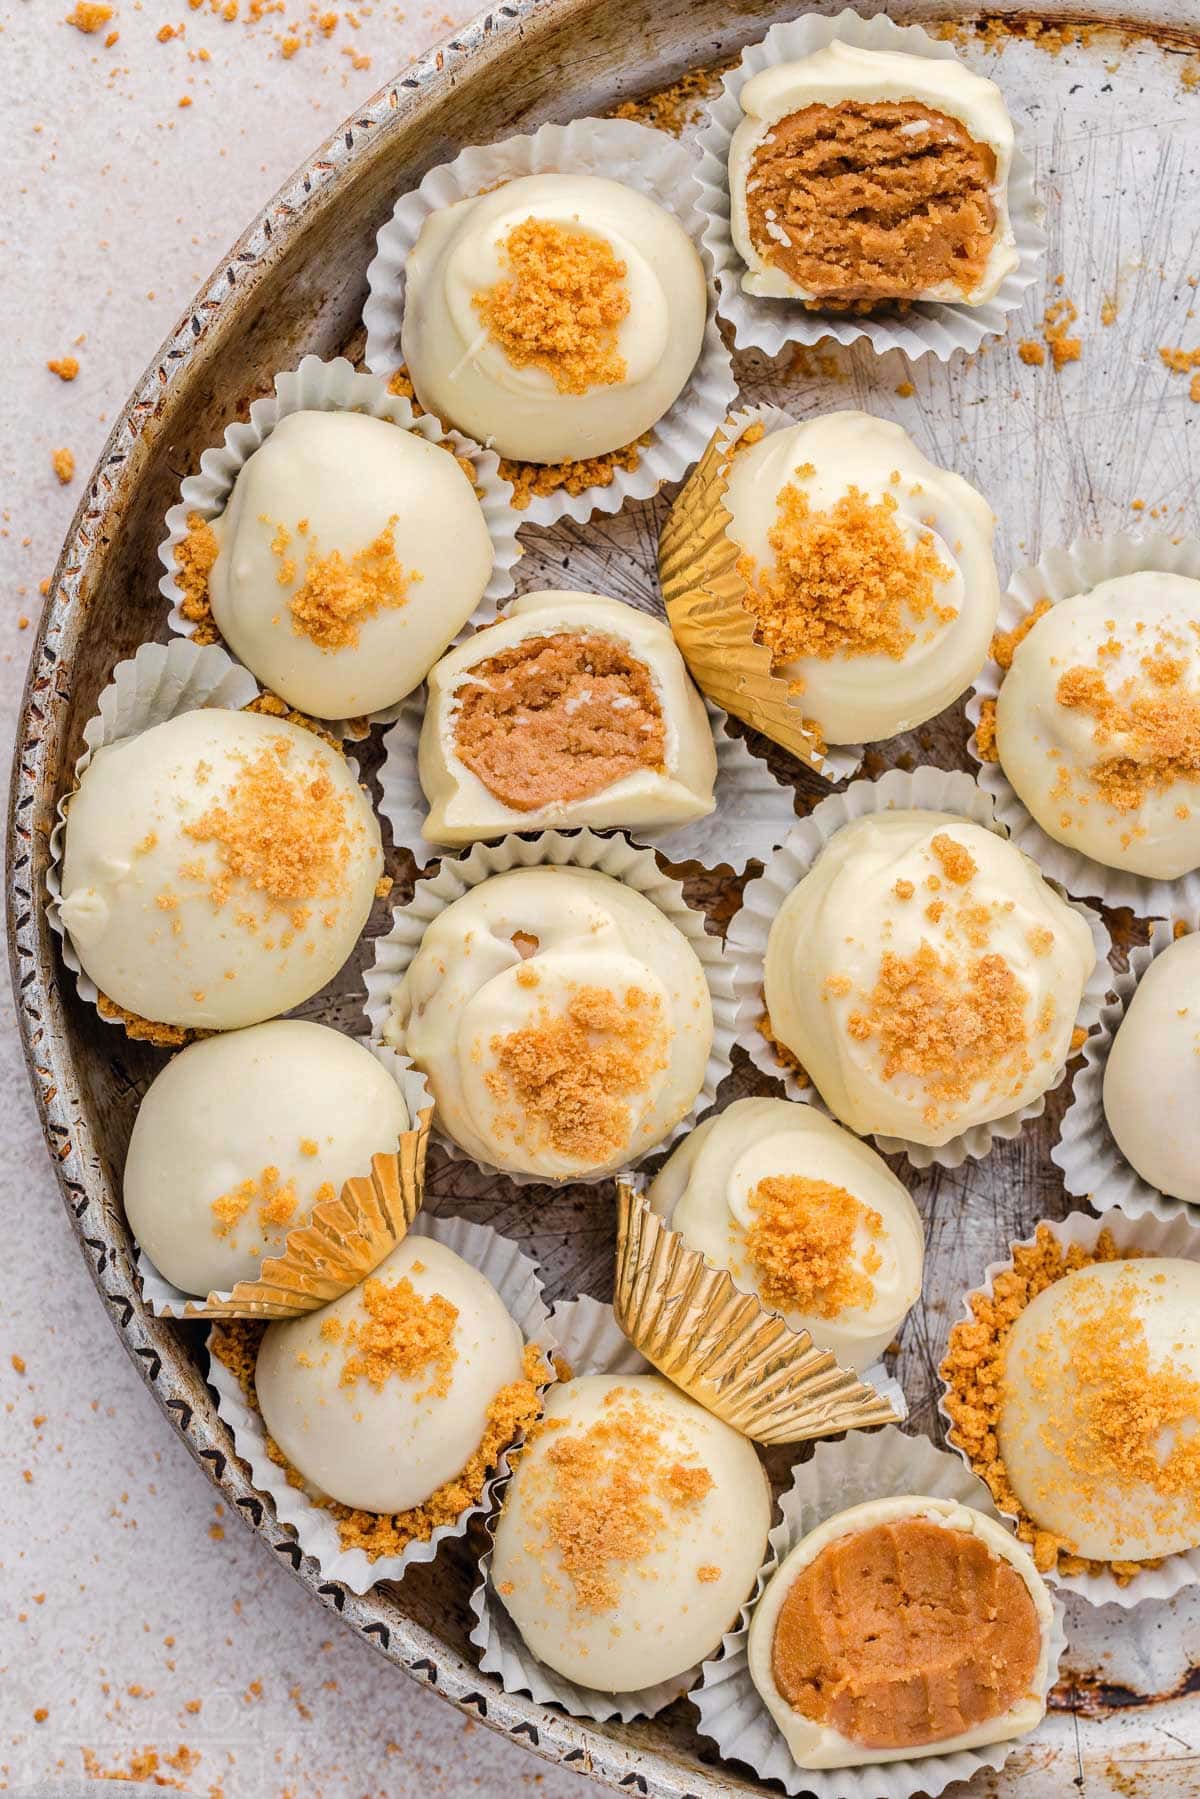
x=1093, y=1167
x=925, y=789
x=971, y=1391
x=723, y=1347
x=928, y=328
x=516, y=1281
x=589, y=1342
x=1060, y=574
x=341, y=1241
x=317, y=386
x=839, y=1475
x=703, y=592
x=160, y=682
x=618, y=150
x=754, y=811
x=636, y=869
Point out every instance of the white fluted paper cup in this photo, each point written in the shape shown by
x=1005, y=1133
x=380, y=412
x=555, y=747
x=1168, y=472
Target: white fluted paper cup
x=1093, y=1168
x=589, y=1341
x=517, y=1281
x=1060, y=574
x=162, y=681
x=316, y=386
x=928, y=790
x=754, y=811
x=1145, y=1235
x=840, y=1475
x=619, y=150
x=635, y=868
x=937, y=329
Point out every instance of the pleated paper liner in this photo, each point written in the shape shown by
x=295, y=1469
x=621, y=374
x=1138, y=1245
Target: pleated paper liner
x=723, y=1347
x=340, y=1243
x=705, y=594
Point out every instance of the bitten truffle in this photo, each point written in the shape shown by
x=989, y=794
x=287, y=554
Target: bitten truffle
x=860, y=176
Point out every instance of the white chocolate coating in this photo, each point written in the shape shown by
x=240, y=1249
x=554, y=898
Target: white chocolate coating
x=706, y=1189
x=668, y=1616
x=1050, y=751
x=461, y=806
x=1059, y=1470
x=125, y=887
x=842, y=72
x=818, y=1745
x=1152, y=1076
x=299, y=1098
x=387, y=1448
x=862, y=698
x=464, y=376
x=352, y=478
x=825, y=950
x=469, y=988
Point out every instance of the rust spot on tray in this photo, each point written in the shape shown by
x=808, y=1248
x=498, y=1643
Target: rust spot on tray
x=1092, y=1697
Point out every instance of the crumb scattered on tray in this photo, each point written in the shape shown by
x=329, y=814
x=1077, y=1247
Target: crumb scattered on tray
x=63, y=463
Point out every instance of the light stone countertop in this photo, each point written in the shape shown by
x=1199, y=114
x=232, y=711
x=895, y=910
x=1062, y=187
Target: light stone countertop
x=133, y=1615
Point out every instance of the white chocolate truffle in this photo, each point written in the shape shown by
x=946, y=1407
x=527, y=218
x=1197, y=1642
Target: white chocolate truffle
x=381, y=1398
x=1100, y=1409
x=925, y=976
x=217, y=869
x=570, y=710
x=1152, y=1076
x=350, y=554
x=240, y=1135
x=553, y=319
x=903, y=1627
x=802, y=1214
x=801, y=182
x=1098, y=723
x=632, y=1531
x=562, y=1021
x=871, y=572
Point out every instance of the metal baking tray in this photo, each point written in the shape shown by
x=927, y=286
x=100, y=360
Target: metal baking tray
x=1104, y=97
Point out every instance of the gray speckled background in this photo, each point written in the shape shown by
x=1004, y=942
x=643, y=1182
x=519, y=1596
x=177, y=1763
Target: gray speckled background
x=124, y=1597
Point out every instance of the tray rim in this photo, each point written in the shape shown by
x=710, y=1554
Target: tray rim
x=39, y=756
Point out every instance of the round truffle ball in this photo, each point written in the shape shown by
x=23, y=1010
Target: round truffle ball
x=819, y=130
x=562, y=1021
x=570, y=710
x=632, y=1530
x=382, y=1398
x=1098, y=1426
x=1150, y=1078
x=554, y=319
x=241, y=1135
x=217, y=869
x=350, y=554
x=1097, y=722
x=902, y=1627
x=802, y=1214
x=925, y=976
x=869, y=572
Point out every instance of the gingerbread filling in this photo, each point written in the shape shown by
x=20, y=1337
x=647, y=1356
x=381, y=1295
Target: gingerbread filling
x=904, y=1634
x=867, y=201
x=556, y=719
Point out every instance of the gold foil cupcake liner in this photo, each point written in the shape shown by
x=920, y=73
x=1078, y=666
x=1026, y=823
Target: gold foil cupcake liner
x=1177, y=1237
x=340, y=1243
x=336, y=386
x=517, y=1280
x=1060, y=574
x=705, y=600
x=723, y=1347
x=837, y=1476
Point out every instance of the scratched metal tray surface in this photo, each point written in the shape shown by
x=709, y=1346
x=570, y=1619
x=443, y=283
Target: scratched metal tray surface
x=1114, y=125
